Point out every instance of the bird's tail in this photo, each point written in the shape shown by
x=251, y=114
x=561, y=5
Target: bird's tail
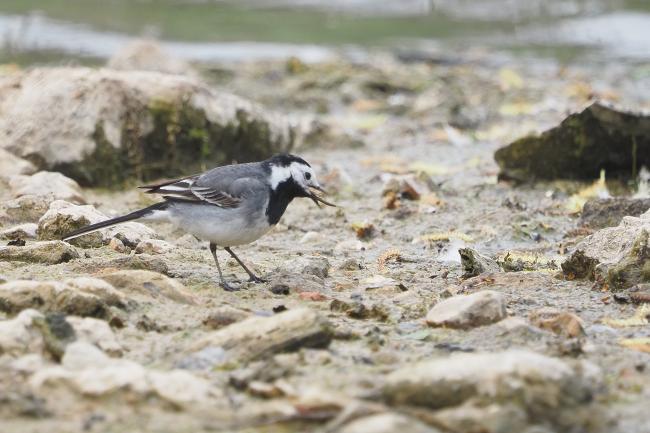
x=114, y=221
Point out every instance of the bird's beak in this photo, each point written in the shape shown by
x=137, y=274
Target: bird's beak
x=317, y=198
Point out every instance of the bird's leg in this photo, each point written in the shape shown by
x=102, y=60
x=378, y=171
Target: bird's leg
x=252, y=276
x=224, y=284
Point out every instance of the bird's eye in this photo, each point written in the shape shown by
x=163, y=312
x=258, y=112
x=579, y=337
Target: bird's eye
x=307, y=176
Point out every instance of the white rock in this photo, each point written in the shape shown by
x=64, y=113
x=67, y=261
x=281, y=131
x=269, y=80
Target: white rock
x=19, y=336
x=56, y=296
x=11, y=165
x=51, y=252
x=21, y=231
x=27, y=208
x=89, y=372
x=312, y=265
x=312, y=238
x=257, y=337
x=468, y=311
x=97, y=332
x=517, y=376
x=599, y=255
x=387, y=423
x=349, y=246
x=148, y=55
x=148, y=285
x=153, y=246
x=63, y=217
x=49, y=184
x=62, y=116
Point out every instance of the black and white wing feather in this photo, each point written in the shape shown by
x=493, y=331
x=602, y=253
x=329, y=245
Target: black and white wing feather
x=188, y=189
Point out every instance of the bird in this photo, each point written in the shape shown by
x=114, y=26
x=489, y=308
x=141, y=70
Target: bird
x=229, y=205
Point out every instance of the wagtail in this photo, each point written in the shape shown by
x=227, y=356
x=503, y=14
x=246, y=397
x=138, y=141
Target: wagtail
x=229, y=205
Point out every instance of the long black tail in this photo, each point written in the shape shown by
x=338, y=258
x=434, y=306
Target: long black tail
x=114, y=221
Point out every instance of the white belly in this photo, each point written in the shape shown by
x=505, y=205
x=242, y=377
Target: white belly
x=224, y=227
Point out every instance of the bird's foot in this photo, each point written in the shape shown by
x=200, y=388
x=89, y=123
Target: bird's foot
x=255, y=279
x=229, y=287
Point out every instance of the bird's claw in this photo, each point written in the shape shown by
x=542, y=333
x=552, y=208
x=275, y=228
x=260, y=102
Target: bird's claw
x=229, y=287
x=257, y=280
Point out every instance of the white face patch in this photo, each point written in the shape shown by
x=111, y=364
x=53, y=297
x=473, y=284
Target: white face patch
x=302, y=174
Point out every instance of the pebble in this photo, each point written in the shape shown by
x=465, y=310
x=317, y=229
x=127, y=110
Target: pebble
x=50, y=184
x=537, y=384
x=51, y=253
x=468, y=311
x=258, y=337
x=147, y=285
x=562, y=323
x=21, y=231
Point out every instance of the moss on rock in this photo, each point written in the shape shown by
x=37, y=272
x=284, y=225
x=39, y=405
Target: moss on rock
x=583, y=144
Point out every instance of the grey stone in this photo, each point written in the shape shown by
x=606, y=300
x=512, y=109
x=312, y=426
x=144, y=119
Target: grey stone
x=468, y=311
x=609, y=212
x=97, y=125
x=387, y=422
x=544, y=388
x=52, y=253
x=21, y=231
x=475, y=263
x=259, y=337
x=618, y=256
x=49, y=184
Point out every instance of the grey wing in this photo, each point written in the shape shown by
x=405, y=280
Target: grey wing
x=223, y=186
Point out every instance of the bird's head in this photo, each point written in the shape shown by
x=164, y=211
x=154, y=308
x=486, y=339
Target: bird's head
x=297, y=176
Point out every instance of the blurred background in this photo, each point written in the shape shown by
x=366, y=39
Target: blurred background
x=89, y=31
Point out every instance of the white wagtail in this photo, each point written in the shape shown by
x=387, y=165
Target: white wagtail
x=229, y=205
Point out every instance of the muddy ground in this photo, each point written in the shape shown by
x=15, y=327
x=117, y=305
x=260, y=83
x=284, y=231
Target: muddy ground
x=435, y=124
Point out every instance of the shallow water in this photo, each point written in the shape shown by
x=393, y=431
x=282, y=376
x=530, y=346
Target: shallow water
x=42, y=30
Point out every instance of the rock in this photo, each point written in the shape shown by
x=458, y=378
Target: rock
x=21, y=231
x=584, y=143
x=118, y=246
x=313, y=265
x=286, y=283
x=63, y=217
x=609, y=212
x=638, y=294
x=618, y=256
x=27, y=208
x=349, y=245
x=545, y=389
x=387, y=423
x=359, y=310
x=50, y=253
x=190, y=242
x=88, y=372
x=312, y=238
x=96, y=332
x=153, y=246
x=559, y=322
x=492, y=418
x=80, y=297
x=148, y=55
x=468, y=311
x=20, y=335
x=52, y=185
x=11, y=165
x=138, y=262
x=148, y=285
x=475, y=263
x=103, y=126
x=30, y=332
x=224, y=316
x=259, y=337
